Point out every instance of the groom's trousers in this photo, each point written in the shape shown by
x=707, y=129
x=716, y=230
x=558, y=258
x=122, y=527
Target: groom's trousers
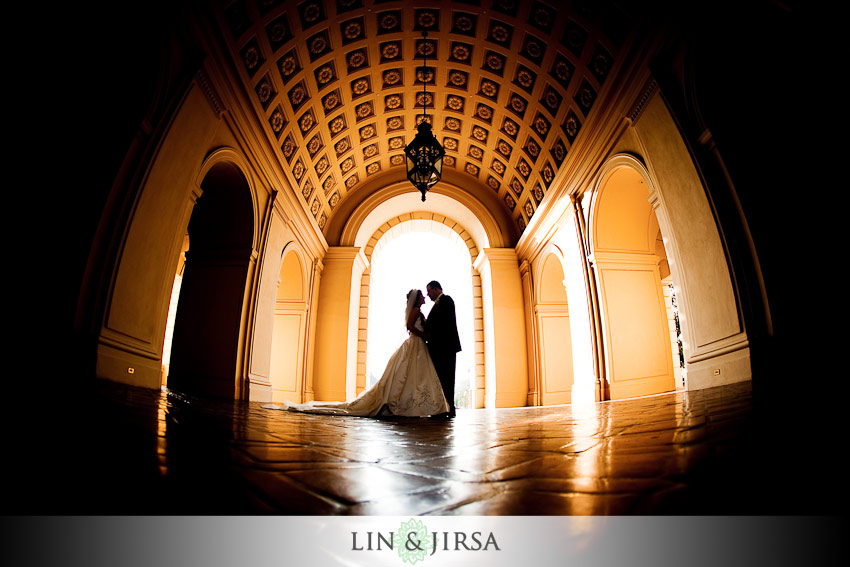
x=445, y=364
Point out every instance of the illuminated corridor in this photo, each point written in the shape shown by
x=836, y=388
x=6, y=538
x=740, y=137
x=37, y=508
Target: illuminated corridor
x=631, y=258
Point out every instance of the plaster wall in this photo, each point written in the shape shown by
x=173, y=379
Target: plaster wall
x=716, y=345
x=635, y=319
x=131, y=339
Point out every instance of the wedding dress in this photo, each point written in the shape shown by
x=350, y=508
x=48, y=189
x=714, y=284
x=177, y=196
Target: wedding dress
x=408, y=387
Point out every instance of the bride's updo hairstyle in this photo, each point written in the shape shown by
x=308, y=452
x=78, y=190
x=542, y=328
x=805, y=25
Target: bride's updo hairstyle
x=412, y=296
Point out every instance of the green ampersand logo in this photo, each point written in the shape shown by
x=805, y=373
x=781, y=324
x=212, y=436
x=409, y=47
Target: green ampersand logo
x=412, y=541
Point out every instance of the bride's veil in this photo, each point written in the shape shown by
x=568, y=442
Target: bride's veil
x=412, y=295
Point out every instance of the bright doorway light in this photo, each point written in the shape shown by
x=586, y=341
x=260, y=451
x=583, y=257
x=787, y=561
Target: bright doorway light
x=409, y=261
x=169, y=327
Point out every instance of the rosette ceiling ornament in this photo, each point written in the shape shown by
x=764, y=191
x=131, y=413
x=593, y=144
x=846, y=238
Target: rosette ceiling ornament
x=424, y=154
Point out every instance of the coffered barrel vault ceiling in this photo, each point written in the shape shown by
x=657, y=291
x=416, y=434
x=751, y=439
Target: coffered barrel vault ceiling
x=338, y=84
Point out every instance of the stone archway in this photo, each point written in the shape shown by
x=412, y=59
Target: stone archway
x=385, y=231
x=503, y=324
x=623, y=230
x=289, y=329
x=552, y=327
x=715, y=344
x=132, y=335
x=208, y=328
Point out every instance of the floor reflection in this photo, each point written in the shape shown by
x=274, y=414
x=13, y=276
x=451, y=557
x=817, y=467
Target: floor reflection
x=674, y=453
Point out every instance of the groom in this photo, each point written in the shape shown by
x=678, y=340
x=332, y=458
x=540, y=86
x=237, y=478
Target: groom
x=443, y=341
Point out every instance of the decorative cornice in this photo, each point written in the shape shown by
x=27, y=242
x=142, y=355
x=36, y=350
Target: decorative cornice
x=203, y=81
x=648, y=91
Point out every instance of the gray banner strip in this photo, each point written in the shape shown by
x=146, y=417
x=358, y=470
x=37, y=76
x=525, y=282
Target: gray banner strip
x=398, y=541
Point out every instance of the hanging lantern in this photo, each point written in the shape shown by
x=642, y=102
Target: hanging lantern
x=424, y=154
x=424, y=159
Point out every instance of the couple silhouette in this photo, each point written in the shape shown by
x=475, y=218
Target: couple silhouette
x=419, y=379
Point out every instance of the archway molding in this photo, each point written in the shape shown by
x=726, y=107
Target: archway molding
x=448, y=200
x=550, y=249
x=603, y=177
x=292, y=248
x=226, y=155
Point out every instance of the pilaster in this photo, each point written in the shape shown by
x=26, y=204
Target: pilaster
x=506, y=356
x=335, y=363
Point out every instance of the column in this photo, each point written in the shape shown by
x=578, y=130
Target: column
x=533, y=355
x=335, y=363
x=260, y=352
x=312, y=308
x=506, y=359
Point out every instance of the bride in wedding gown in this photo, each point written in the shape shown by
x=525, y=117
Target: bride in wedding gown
x=409, y=385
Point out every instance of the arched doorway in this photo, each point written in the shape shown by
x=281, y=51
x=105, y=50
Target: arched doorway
x=552, y=321
x=635, y=326
x=501, y=364
x=205, y=353
x=286, y=364
x=408, y=256
x=671, y=305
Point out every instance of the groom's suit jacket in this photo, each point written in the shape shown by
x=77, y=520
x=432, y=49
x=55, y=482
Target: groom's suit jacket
x=444, y=344
x=441, y=325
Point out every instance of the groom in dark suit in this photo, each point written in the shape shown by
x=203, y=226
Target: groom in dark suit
x=443, y=341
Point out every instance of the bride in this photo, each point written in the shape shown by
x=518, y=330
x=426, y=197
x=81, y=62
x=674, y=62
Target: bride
x=409, y=385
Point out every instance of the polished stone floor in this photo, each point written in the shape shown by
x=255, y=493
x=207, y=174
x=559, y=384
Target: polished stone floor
x=140, y=451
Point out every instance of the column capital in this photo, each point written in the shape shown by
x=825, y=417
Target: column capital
x=493, y=255
x=352, y=254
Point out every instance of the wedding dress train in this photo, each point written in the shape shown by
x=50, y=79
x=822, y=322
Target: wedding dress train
x=409, y=387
